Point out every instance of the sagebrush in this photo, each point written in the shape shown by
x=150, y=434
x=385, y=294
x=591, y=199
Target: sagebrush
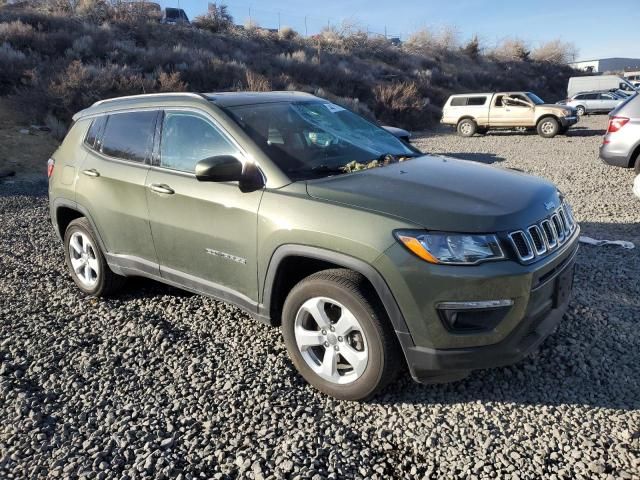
x=56, y=63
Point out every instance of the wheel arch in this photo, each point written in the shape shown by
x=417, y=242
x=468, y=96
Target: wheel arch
x=307, y=260
x=634, y=158
x=466, y=117
x=547, y=115
x=65, y=211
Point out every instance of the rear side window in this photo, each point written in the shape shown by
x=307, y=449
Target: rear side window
x=93, y=135
x=188, y=138
x=471, y=101
x=476, y=101
x=129, y=136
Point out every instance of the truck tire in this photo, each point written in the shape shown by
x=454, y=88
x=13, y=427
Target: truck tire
x=580, y=110
x=86, y=263
x=335, y=312
x=548, y=127
x=467, y=127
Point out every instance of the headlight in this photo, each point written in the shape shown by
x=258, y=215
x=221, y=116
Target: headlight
x=451, y=248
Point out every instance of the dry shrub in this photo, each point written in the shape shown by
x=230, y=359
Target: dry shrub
x=58, y=127
x=287, y=33
x=555, y=51
x=170, y=82
x=399, y=103
x=257, y=82
x=217, y=19
x=13, y=64
x=445, y=39
x=511, y=49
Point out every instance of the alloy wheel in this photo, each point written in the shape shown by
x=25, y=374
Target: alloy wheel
x=82, y=254
x=331, y=340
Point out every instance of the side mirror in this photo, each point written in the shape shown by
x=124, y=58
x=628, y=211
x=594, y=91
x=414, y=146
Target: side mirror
x=221, y=168
x=227, y=168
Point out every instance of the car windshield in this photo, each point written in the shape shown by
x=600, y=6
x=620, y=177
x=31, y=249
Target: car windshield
x=535, y=99
x=313, y=139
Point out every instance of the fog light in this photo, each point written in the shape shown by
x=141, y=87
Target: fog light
x=474, y=316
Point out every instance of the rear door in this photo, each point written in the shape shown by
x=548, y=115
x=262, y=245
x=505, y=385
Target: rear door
x=608, y=102
x=204, y=232
x=591, y=102
x=111, y=181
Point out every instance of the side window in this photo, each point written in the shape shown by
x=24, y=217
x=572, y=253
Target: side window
x=95, y=130
x=129, y=136
x=604, y=96
x=591, y=96
x=458, y=101
x=579, y=97
x=477, y=101
x=188, y=138
x=499, y=101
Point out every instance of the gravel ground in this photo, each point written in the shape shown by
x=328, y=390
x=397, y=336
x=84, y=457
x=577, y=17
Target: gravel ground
x=159, y=383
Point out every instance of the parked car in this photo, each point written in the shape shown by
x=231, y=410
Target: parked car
x=473, y=113
x=592, y=83
x=400, y=133
x=367, y=253
x=174, y=16
x=621, y=143
x=594, y=102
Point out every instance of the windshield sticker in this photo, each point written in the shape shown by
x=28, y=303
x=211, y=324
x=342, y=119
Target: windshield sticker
x=333, y=108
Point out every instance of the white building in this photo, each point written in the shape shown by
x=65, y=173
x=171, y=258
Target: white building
x=601, y=65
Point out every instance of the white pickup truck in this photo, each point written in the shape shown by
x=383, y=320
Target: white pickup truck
x=473, y=113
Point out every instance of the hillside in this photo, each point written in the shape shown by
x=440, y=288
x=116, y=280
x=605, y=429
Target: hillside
x=53, y=64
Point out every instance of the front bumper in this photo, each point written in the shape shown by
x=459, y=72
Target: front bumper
x=566, y=122
x=430, y=365
x=540, y=292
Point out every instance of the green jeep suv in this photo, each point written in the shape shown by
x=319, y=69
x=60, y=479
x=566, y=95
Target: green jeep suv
x=369, y=255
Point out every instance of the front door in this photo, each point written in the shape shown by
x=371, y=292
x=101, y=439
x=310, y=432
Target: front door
x=204, y=232
x=111, y=182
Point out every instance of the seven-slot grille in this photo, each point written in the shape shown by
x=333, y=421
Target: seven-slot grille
x=545, y=236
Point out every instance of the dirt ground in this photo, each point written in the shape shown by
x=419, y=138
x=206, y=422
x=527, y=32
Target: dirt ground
x=24, y=151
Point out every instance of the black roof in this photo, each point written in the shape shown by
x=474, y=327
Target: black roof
x=230, y=99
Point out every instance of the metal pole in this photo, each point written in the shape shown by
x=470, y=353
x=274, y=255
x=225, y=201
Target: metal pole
x=278, y=22
x=306, y=31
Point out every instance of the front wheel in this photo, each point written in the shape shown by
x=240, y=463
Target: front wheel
x=580, y=110
x=548, y=127
x=338, y=336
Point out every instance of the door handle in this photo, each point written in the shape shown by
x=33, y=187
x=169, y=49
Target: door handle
x=91, y=172
x=161, y=188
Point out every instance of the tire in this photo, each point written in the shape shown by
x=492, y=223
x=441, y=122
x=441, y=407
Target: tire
x=580, y=110
x=86, y=263
x=467, y=127
x=637, y=165
x=548, y=127
x=347, y=318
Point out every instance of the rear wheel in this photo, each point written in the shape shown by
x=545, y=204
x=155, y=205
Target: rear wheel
x=338, y=336
x=85, y=261
x=548, y=127
x=467, y=127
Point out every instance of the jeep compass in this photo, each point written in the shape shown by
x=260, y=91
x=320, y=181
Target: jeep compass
x=369, y=255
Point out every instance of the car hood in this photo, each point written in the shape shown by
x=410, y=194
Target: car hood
x=442, y=193
x=556, y=107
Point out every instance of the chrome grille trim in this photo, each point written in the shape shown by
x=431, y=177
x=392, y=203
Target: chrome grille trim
x=550, y=233
x=535, y=232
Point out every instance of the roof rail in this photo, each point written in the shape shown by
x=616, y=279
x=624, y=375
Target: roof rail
x=146, y=95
